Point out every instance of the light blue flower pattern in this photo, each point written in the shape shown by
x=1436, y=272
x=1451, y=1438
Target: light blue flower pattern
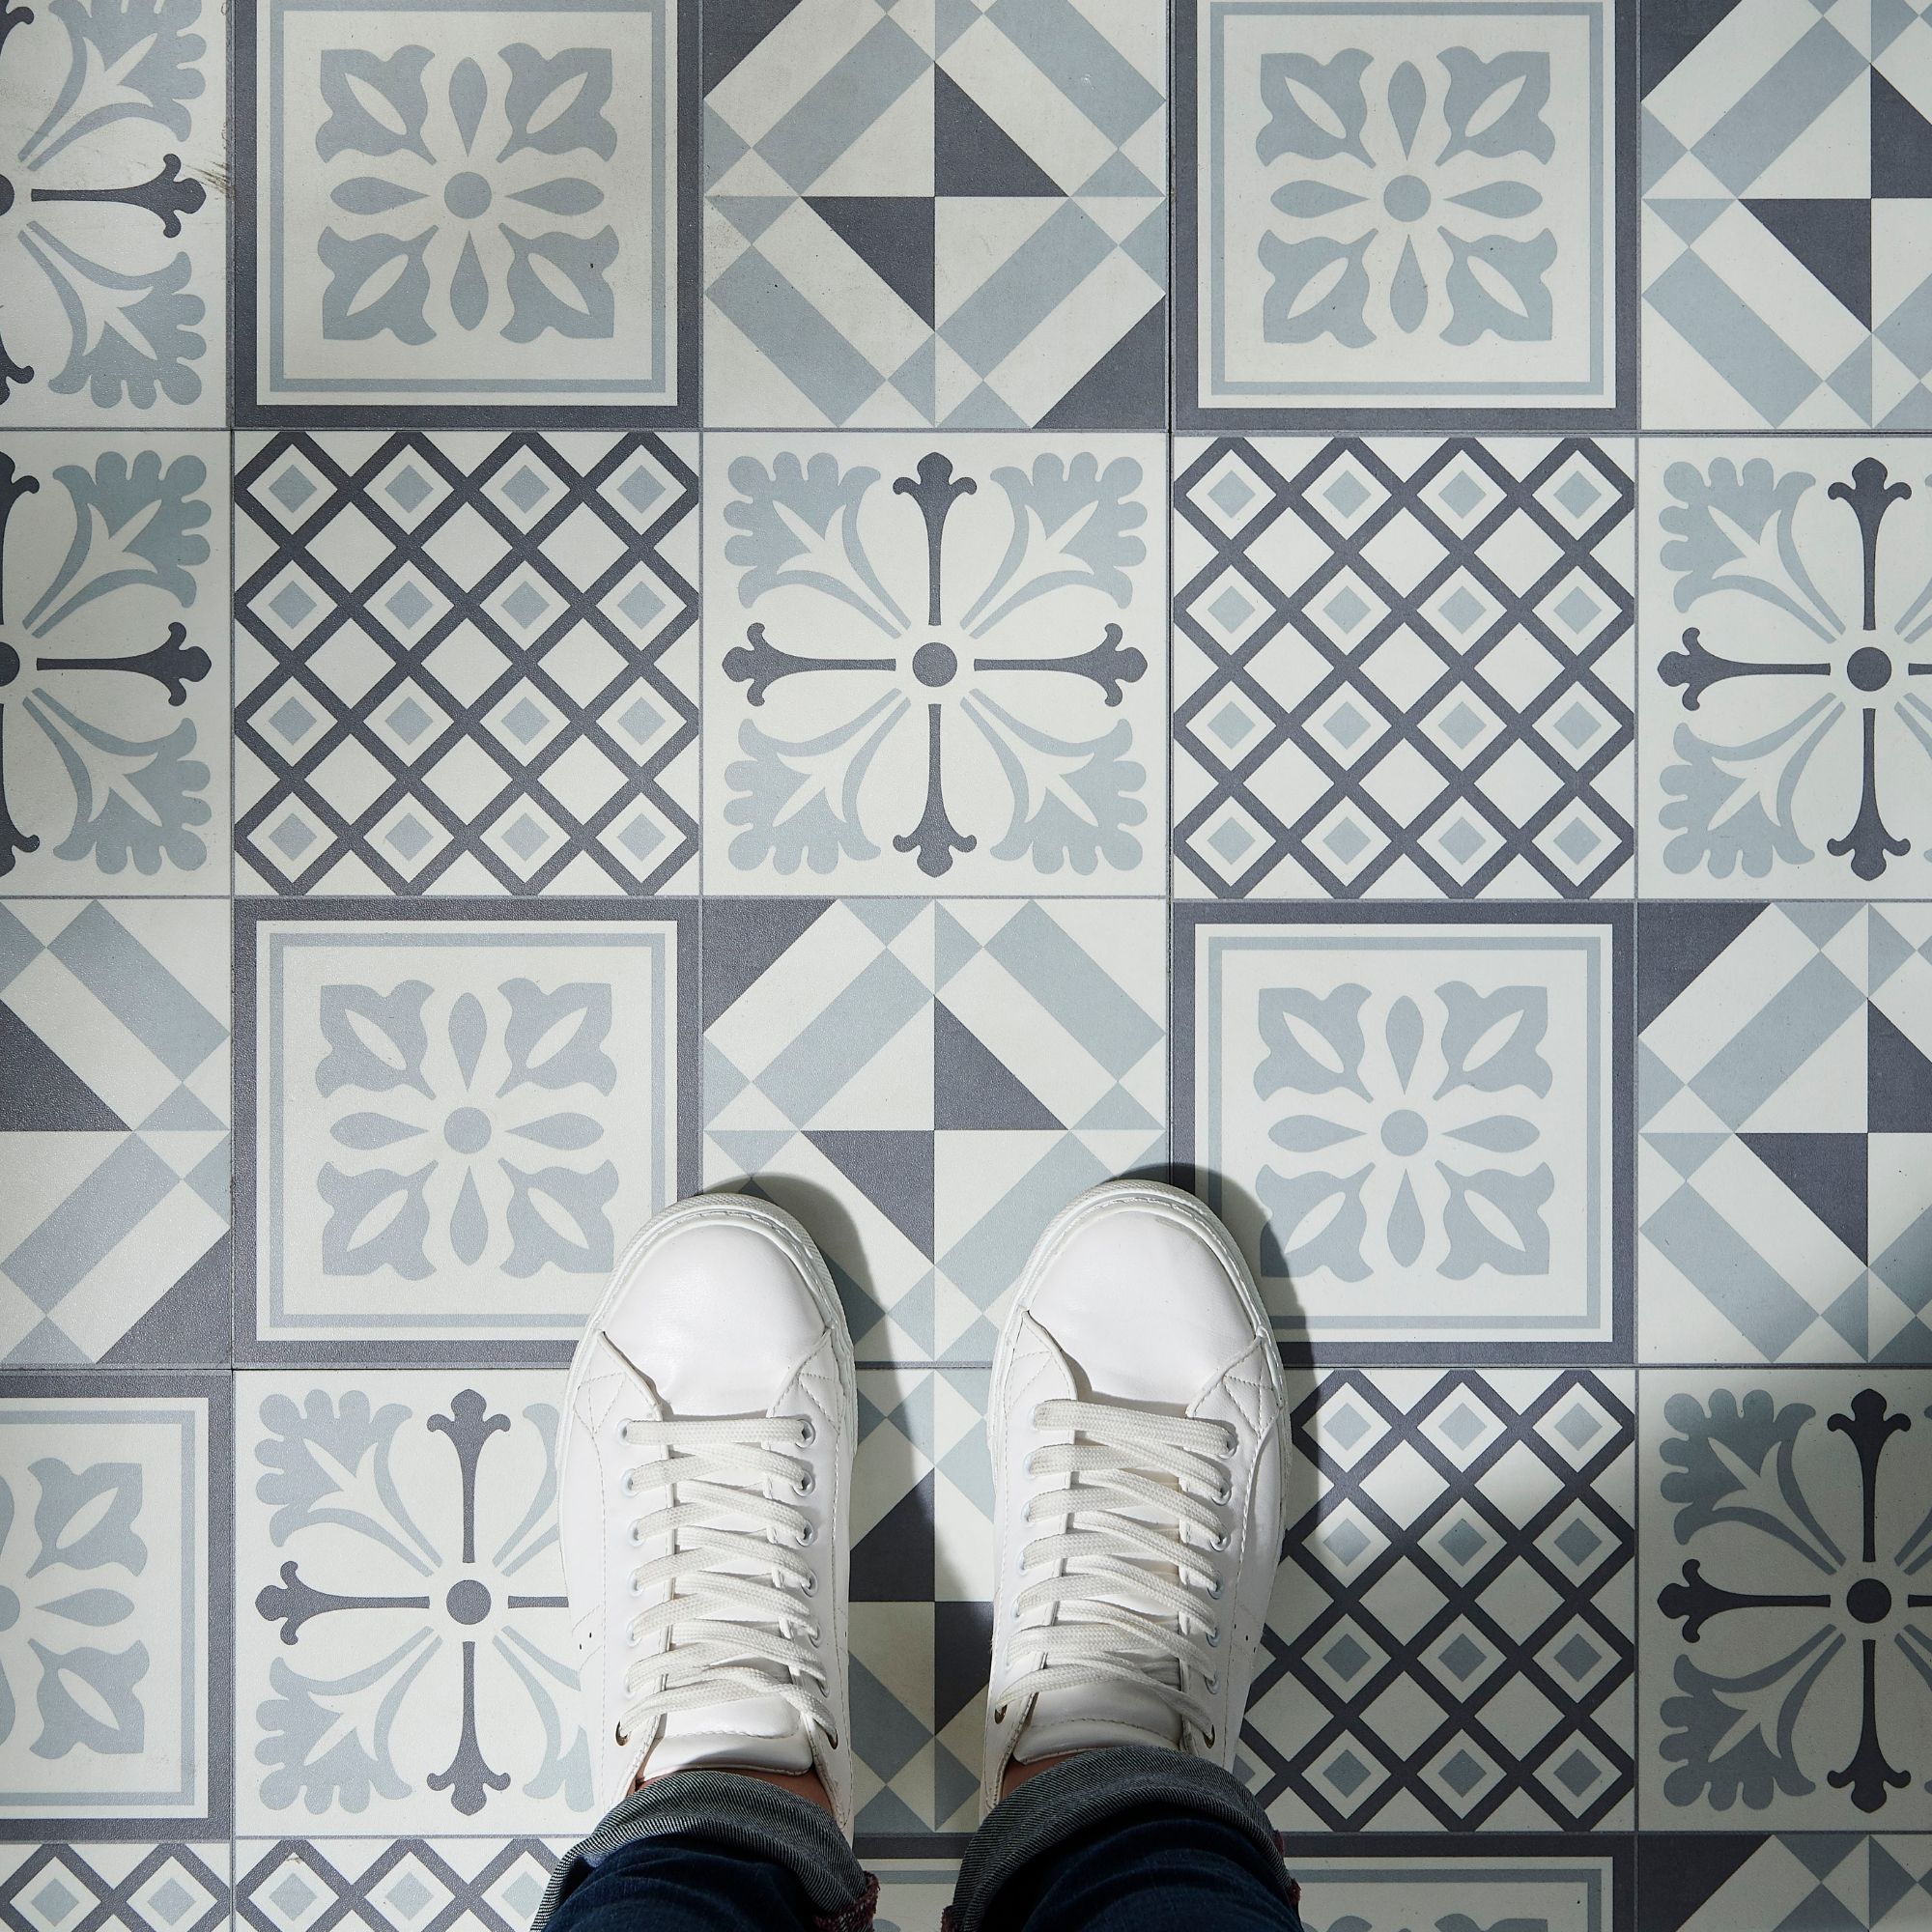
x=1414, y=1124
x=1410, y=197
x=467, y=192
x=460, y=1130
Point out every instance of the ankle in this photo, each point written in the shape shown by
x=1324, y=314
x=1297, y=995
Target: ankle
x=806, y=1785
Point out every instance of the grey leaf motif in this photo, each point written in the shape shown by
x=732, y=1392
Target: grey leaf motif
x=133, y=525
x=1313, y=1040
x=124, y=58
x=377, y=1041
x=1495, y=287
x=377, y=1219
x=1728, y=806
x=377, y=105
x=85, y=1518
x=1318, y=1220
x=1316, y=108
x=557, y=1219
x=1072, y=525
x=376, y=282
x=87, y=1700
x=1494, y=1219
x=1073, y=800
x=556, y=281
x=1320, y=288
x=1493, y=1042
x=129, y=335
x=327, y=1742
x=798, y=800
x=556, y=102
x=1494, y=107
x=554, y=1038
x=96, y=1609
x=134, y=799
x=797, y=522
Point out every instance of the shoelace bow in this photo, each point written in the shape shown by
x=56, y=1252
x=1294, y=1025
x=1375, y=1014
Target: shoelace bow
x=735, y=1605
x=1123, y=1460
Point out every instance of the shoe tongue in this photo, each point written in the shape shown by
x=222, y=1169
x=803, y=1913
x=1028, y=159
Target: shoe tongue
x=751, y=1733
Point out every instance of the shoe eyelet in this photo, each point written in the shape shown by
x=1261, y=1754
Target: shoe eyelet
x=629, y=1485
x=1215, y=1595
x=805, y=1485
x=807, y=1433
x=1000, y=1713
x=1209, y=1740
x=1212, y=1684
x=622, y=1740
x=811, y=1584
x=815, y=1637
x=1214, y=1637
x=808, y=1536
x=1234, y=1440
x=1226, y=1496
x=831, y=1739
x=637, y=1532
x=1219, y=1543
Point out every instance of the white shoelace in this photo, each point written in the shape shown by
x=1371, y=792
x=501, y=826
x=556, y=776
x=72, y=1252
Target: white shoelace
x=735, y=1612
x=1127, y=1465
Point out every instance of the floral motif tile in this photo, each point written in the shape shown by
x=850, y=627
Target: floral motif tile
x=1718, y=1881
x=1785, y=1598
x=1414, y=1122
x=1786, y=700
x=129, y=1888
x=934, y=666
x=1384, y=208
x=467, y=663
x=403, y=1650
x=114, y=663
x=448, y=211
x=1403, y=668
x=1788, y=171
x=113, y=177
x=1449, y=1646
x=925, y=1086
x=1784, y=1116
x=950, y=214
x=922, y=1624
x=115, y=1587
x=400, y=1885
x=114, y=1112
x=453, y=1124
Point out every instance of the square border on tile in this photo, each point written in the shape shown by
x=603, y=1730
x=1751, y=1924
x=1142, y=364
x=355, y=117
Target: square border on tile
x=1618, y=918
x=218, y=1390
x=249, y=409
x=362, y=1351
x=1187, y=412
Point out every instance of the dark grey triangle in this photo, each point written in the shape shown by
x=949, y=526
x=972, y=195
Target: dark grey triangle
x=892, y=1171
x=193, y=1323
x=972, y=154
x=1120, y=389
x=892, y=1562
x=735, y=31
x=1675, y=941
x=972, y=1088
x=1833, y=238
x=40, y=1092
x=1675, y=33
x=893, y=234
x=1828, y=1172
x=1898, y=1080
x=742, y=938
x=962, y=1653
x=1901, y=145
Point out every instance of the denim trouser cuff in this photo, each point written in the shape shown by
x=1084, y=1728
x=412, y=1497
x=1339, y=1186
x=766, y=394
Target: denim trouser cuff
x=1089, y=1788
x=743, y=1814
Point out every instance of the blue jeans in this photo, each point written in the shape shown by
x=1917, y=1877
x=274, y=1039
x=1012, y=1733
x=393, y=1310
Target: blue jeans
x=1126, y=1839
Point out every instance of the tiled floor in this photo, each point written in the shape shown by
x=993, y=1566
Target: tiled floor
x=912, y=604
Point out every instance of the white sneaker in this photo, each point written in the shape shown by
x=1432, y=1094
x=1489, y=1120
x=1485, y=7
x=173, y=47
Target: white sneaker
x=1138, y=1446
x=704, y=1486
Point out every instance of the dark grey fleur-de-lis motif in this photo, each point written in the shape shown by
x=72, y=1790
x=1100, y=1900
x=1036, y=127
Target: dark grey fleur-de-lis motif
x=1737, y=1463
x=1879, y=673
x=1070, y=528
x=476, y=1597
